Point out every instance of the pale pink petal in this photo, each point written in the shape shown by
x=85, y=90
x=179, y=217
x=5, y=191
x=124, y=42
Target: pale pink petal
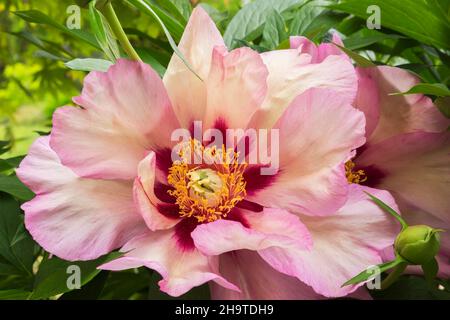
x=257, y=280
x=187, y=92
x=121, y=117
x=344, y=244
x=320, y=52
x=72, y=217
x=145, y=198
x=368, y=101
x=395, y=113
x=318, y=132
x=272, y=227
x=236, y=87
x=181, y=269
x=415, y=168
x=291, y=74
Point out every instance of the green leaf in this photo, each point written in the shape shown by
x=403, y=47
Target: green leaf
x=367, y=274
x=122, y=285
x=184, y=7
x=148, y=58
x=89, y=64
x=313, y=20
x=430, y=270
x=168, y=24
x=179, y=9
x=389, y=210
x=417, y=19
x=90, y=291
x=248, y=23
x=152, y=11
x=16, y=245
x=103, y=33
x=359, y=60
x=5, y=145
x=435, y=89
x=274, y=31
x=52, y=275
x=14, y=294
x=366, y=37
x=305, y=17
x=13, y=186
x=443, y=105
x=409, y=287
x=10, y=163
x=36, y=16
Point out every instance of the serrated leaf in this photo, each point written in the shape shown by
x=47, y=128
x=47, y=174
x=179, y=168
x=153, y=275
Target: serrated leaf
x=89, y=64
x=248, y=23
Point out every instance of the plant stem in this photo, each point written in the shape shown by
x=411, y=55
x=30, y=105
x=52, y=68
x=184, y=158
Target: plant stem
x=393, y=276
x=108, y=12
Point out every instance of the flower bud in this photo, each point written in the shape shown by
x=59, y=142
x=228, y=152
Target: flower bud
x=418, y=244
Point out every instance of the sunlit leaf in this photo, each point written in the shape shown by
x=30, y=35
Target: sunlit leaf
x=89, y=64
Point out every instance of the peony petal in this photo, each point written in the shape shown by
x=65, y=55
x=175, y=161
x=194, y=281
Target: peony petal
x=257, y=280
x=187, y=92
x=317, y=133
x=395, y=114
x=272, y=227
x=181, y=269
x=360, y=225
x=72, y=217
x=291, y=73
x=318, y=53
x=121, y=116
x=416, y=170
x=145, y=198
x=236, y=87
x=368, y=101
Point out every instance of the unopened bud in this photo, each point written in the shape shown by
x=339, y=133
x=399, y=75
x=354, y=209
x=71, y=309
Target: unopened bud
x=418, y=244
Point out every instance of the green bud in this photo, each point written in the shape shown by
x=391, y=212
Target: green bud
x=418, y=244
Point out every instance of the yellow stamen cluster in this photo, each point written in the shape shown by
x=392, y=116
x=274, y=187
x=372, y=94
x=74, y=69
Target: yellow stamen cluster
x=354, y=176
x=206, y=191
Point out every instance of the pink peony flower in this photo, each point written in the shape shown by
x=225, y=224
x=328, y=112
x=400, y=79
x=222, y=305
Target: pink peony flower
x=104, y=179
x=407, y=151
